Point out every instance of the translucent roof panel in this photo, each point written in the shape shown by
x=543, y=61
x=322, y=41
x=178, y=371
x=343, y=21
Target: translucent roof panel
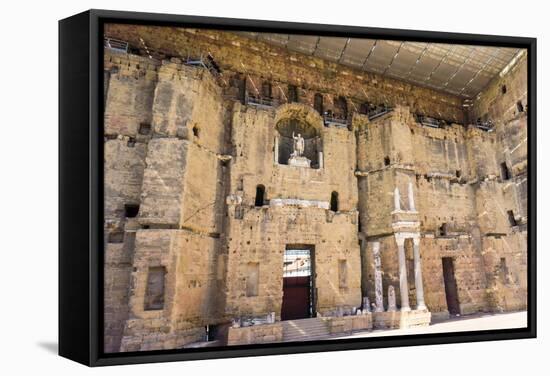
x=456, y=69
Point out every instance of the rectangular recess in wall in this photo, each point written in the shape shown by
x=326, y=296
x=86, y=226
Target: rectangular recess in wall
x=252, y=278
x=343, y=273
x=154, y=290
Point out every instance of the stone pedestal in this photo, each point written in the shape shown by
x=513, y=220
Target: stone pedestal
x=349, y=324
x=267, y=333
x=299, y=162
x=401, y=319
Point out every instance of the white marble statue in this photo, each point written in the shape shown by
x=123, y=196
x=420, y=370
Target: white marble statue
x=299, y=145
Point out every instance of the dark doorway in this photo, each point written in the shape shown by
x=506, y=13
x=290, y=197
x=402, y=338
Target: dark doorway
x=443, y=229
x=512, y=218
x=131, y=210
x=298, y=296
x=292, y=93
x=334, y=201
x=504, y=171
x=241, y=89
x=260, y=193
x=450, y=286
x=318, y=103
x=340, y=108
x=364, y=108
x=295, y=298
x=266, y=89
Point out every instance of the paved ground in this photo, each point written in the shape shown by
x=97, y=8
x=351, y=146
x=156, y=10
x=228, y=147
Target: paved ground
x=456, y=324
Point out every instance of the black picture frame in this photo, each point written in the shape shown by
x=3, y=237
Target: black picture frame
x=81, y=185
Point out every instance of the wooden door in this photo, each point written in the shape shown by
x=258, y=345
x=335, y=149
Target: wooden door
x=296, y=298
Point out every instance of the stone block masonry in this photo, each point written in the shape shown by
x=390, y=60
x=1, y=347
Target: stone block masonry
x=203, y=198
x=268, y=333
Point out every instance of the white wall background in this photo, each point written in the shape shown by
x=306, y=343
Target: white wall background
x=28, y=186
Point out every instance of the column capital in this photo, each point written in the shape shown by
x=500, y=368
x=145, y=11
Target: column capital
x=400, y=239
x=416, y=240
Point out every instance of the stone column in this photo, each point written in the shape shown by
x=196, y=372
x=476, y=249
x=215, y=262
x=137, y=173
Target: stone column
x=391, y=299
x=403, y=285
x=396, y=199
x=418, y=275
x=321, y=162
x=379, y=293
x=411, y=197
x=276, y=150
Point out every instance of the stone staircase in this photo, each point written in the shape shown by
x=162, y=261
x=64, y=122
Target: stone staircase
x=305, y=330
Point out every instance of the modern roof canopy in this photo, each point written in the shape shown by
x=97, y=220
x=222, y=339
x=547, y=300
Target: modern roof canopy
x=460, y=70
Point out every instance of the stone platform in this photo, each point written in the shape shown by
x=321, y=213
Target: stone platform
x=349, y=324
x=401, y=319
x=299, y=162
x=266, y=333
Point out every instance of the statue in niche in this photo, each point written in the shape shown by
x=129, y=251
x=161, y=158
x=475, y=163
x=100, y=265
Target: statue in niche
x=299, y=145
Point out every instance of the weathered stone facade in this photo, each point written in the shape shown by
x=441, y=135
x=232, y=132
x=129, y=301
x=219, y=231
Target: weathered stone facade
x=200, y=203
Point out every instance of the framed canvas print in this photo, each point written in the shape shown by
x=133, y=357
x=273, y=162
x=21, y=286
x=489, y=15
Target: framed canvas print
x=237, y=187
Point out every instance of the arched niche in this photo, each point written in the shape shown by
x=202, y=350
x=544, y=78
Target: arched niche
x=298, y=119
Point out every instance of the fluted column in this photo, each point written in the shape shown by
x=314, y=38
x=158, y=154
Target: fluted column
x=418, y=275
x=403, y=285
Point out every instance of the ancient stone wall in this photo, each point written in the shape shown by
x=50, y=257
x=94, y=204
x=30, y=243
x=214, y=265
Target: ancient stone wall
x=235, y=53
x=262, y=236
x=295, y=211
x=268, y=333
x=462, y=201
x=130, y=83
x=190, y=289
x=254, y=162
x=129, y=86
x=163, y=157
x=201, y=200
x=502, y=199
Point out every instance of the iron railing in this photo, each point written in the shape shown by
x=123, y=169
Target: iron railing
x=485, y=125
x=332, y=119
x=377, y=111
x=429, y=121
x=115, y=44
x=258, y=100
x=205, y=61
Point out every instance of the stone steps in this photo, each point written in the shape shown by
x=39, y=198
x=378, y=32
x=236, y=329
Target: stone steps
x=304, y=330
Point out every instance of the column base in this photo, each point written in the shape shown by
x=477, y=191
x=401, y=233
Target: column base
x=401, y=319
